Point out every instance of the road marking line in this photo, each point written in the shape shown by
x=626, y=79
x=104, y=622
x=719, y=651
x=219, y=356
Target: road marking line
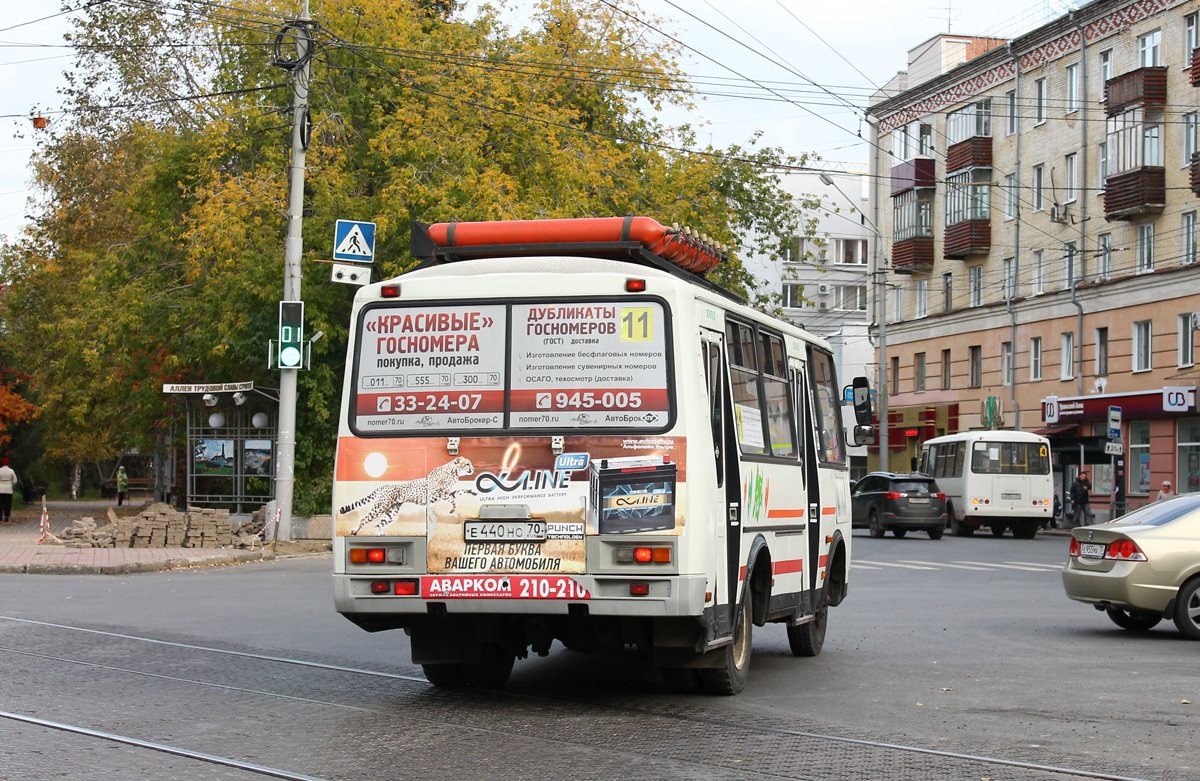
x=1003, y=566
x=893, y=564
x=944, y=564
x=1054, y=567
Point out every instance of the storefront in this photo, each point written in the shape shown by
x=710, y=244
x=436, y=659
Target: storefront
x=1160, y=441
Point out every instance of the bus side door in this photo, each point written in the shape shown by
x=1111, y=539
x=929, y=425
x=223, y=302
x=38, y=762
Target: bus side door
x=728, y=532
x=806, y=425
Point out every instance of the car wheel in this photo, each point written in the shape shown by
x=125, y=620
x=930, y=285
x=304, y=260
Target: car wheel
x=1133, y=620
x=899, y=533
x=492, y=670
x=999, y=528
x=807, y=639
x=1187, y=609
x=873, y=525
x=730, y=678
x=444, y=676
x=935, y=534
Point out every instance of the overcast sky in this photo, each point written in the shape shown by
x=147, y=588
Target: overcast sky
x=776, y=63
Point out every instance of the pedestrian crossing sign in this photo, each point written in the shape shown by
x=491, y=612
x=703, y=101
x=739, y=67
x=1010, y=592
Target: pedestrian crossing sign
x=354, y=241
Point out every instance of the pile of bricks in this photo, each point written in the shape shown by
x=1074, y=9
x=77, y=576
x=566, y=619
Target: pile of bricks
x=161, y=526
x=207, y=528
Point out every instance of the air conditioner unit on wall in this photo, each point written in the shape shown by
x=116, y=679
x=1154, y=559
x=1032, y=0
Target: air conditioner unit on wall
x=1195, y=321
x=1058, y=213
x=824, y=288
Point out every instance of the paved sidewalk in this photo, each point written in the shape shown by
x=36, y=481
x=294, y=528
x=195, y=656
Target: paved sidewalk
x=21, y=553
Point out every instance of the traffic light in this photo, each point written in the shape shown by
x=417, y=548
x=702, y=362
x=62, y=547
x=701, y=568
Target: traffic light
x=291, y=334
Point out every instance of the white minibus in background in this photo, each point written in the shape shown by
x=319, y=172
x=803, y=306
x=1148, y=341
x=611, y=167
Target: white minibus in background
x=560, y=430
x=998, y=479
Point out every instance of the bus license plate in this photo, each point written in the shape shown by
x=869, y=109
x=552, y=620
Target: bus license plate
x=1010, y=497
x=1092, y=550
x=504, y=531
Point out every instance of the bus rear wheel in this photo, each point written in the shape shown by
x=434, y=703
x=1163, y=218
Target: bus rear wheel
x=808, y=639
x=730, y=678
x=1025, y=531
x=959, y=528
x=492, y=670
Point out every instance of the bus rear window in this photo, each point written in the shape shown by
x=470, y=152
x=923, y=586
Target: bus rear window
x=483, y=367
x=1010, y=458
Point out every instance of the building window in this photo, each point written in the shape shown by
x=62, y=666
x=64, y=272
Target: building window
x=975, y=366
x=973, y=120
x=1066, y=358
x=1010, y=196
x=1010, y=279
x=1189, y=138
x=1188, y=255
x=967, y=195
x=894, y=387
x=921, y=298
x=919, y=372
x=1039, y=178
x=851, y=252
x=1072, y=88
x=1106, y=66
x=897, y=302
x=1039, y=106
x=1188, y=458
x=908, y=141
x=1187, y=341
x=1139, y=457
x=1006, y=363
x=975, y=285
x=1145, y=247
x=1035, y=358
x=1072, y=183
x=1190, y=40
x=1102, y=352
x=852, y=298
x=1104, y=256
x=1142, y=342
x=945, y=370
x=1074, y=263
x=793, y=295
x=1134, y=140
x=1102, y=164
x=947, y=291
x=912, y=214
x=1039, y=271
x=1150, y=49
x=1010, y=127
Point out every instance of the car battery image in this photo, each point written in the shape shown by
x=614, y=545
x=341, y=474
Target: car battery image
x=634, y=494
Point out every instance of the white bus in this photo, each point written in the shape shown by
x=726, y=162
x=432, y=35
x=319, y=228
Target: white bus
x=551, y=432
x=999, y=479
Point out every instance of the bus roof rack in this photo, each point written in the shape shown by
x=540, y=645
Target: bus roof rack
x=639, y=240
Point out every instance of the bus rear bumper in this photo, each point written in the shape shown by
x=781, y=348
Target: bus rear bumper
x=602, y=595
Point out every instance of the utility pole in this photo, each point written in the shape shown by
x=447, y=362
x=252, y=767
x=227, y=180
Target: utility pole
x=285, y=471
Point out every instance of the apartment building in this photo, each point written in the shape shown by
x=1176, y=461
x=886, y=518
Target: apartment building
x=1038, y=206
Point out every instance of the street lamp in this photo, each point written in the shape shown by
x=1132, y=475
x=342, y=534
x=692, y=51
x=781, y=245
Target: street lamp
x=878, y=278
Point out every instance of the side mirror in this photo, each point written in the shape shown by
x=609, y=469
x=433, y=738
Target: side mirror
x=862, y=401
x=864, y=435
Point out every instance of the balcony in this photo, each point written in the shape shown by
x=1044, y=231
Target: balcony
x=1142, y=87
x=1194, y=72
x=969, y=237
x=1135, y=193
x=918, y=172
x=974, y=152
x=1195, y=171
x=913, y=254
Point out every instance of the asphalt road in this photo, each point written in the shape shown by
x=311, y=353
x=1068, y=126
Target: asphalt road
x=959, y=645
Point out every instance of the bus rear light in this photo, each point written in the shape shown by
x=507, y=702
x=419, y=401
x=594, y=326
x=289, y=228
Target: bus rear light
x=639, y=589
x=635, y=285
x=390, y=291
x=1124, y=550
x=405, y=588
x=662, y=555
x=642, y=555
x=647, y=555
x=376, y=555
x=380, y=586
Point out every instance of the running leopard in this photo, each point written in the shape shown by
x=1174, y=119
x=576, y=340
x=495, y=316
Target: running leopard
x=441, y=485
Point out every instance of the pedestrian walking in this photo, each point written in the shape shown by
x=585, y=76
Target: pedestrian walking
x=1081, y=497
x=1057, y=514
x=8, y=481
x=1165, y=492
x=122, y=485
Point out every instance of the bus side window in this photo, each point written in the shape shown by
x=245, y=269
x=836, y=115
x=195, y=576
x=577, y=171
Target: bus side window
x=713, y=372
x=802, y=423
x=959, y=458
x=778, y=400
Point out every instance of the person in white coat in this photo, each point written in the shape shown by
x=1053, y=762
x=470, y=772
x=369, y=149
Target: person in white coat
x=8, y=481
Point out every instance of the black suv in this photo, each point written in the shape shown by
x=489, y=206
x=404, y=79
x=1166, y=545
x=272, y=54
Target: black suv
x=886, y=500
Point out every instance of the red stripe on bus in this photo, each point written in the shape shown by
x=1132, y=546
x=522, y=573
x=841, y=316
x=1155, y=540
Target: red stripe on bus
x=742, y=574
x=824, y=561
x=789, y=566
x=785, y=513
x=828, y=511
